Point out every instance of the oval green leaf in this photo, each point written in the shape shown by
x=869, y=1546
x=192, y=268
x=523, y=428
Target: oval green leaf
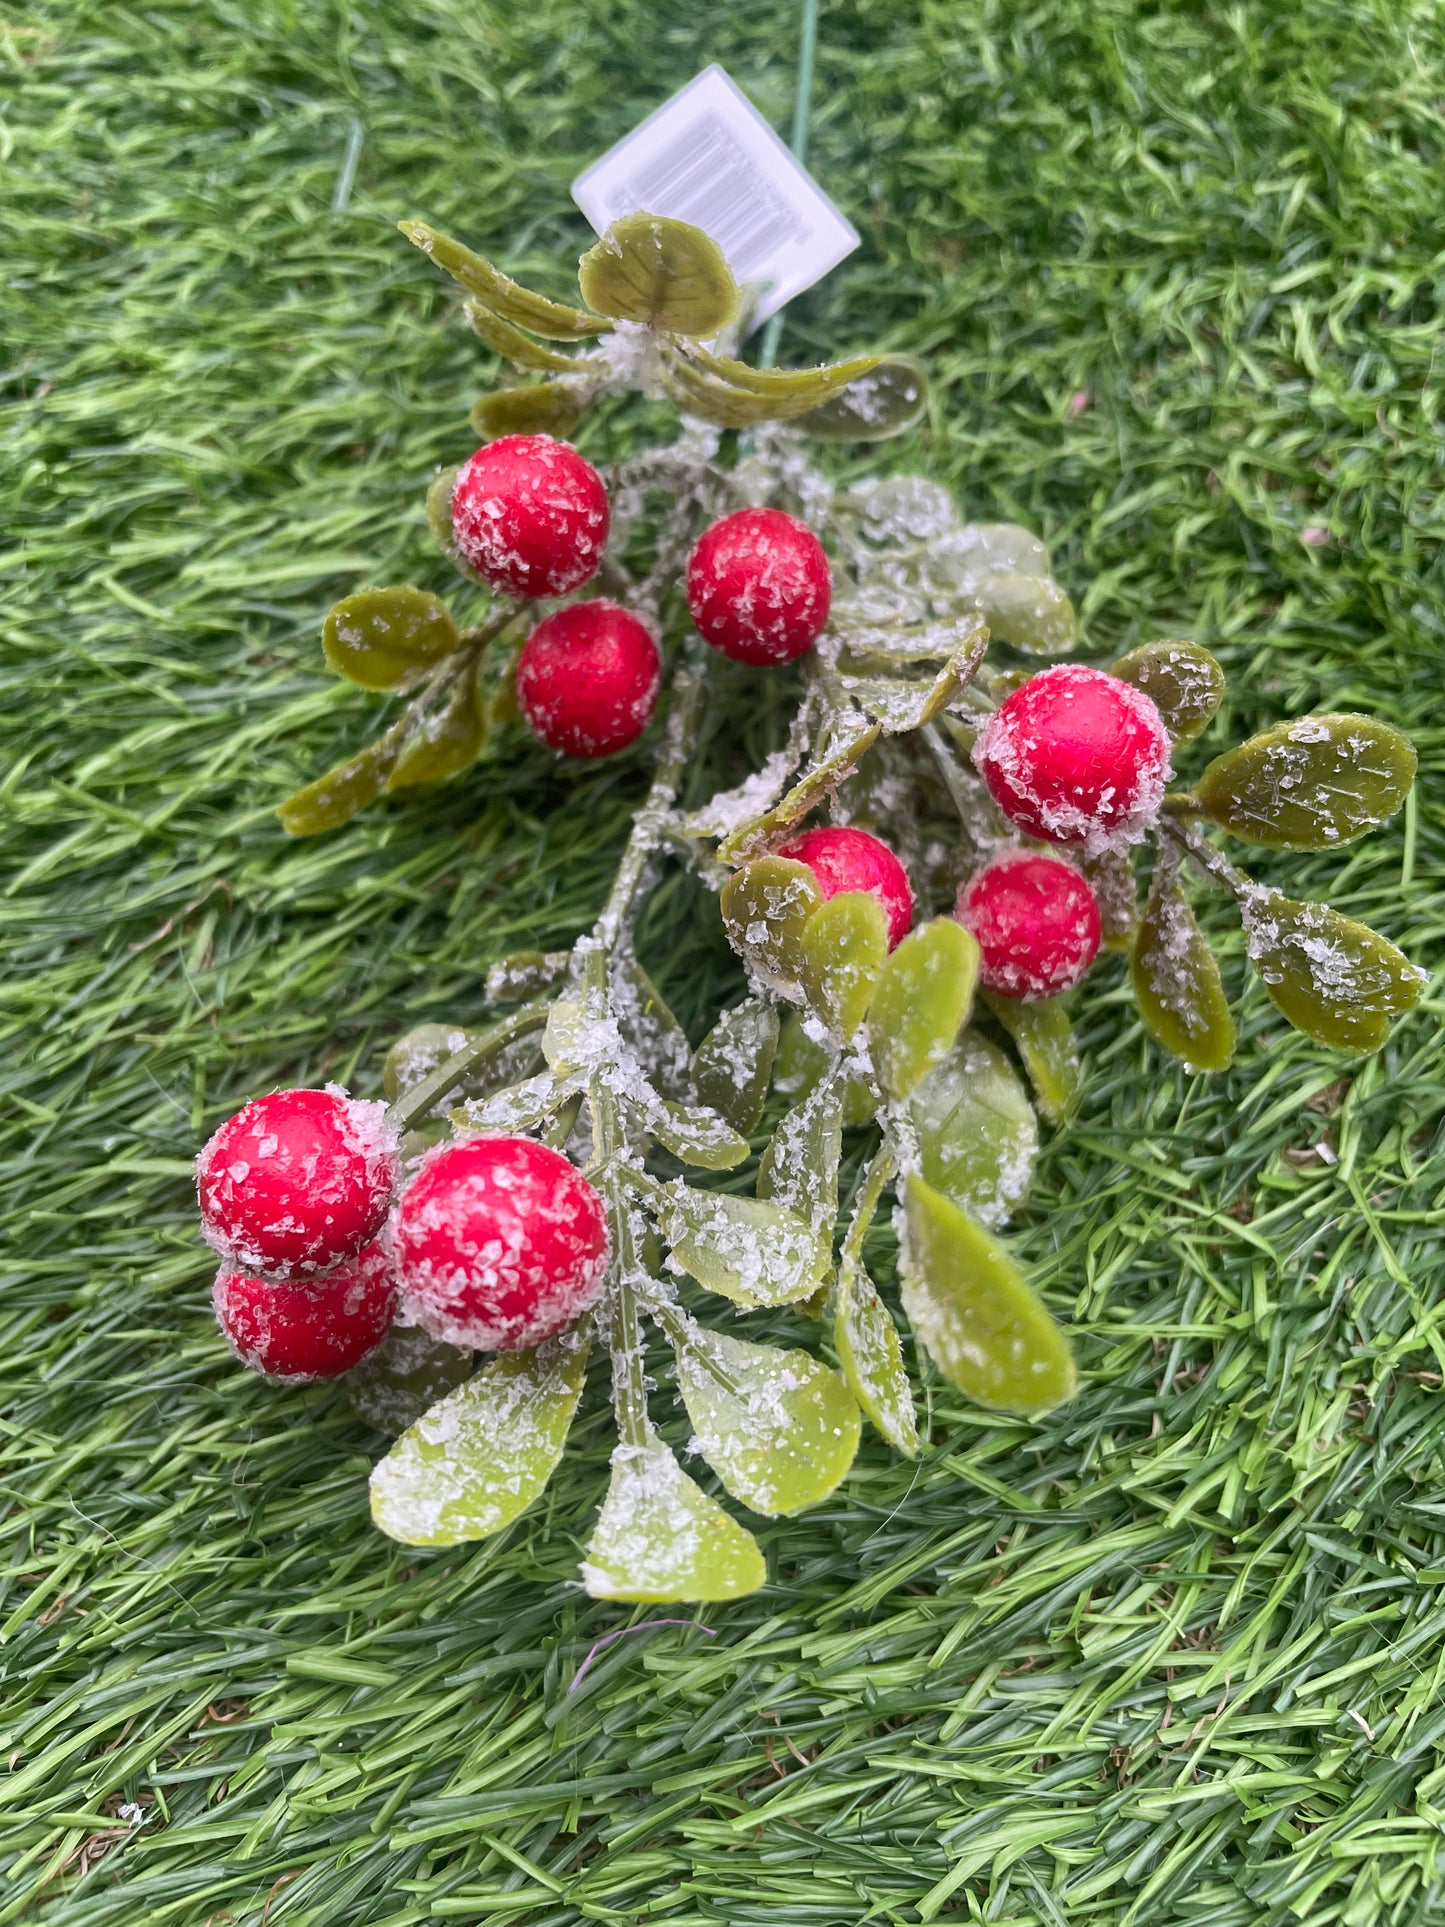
x=734, y=1062
x=1027, y=612
x=380, y=637
x=924, y=995
x=542, y=408
x=1336, y=980
x=417, y=1054
x=333, y=799
x=778, y=1427
x=750, y=1250
x=887, y=401
x=977, y=1132
x=799, y=1169
x=525, y=974
x=446, y=743
x=1177, y=984
x=1183, y=680
x=872, y=1358
x=648, y=1025
x=764, y=908
x=660, y=1538
x=404, y=1377
x=554, y=320
x=802, y=1064
x=514, y=346
x=975, y=1313
x=844, y=943
x=480, y=1456
x=699, y=1137
x=1044, y=1039
x=665, y=274
x=1309, y=785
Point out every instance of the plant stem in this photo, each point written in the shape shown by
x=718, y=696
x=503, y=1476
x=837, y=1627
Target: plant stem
x=1214, y=864
x=413, y=1105
x=879, y=1171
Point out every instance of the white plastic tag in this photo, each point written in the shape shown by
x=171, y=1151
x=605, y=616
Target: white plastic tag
x=708, y=156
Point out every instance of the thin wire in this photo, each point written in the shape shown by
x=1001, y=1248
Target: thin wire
x=802, y=113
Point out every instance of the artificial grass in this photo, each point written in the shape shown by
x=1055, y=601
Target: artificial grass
x=1172, y=1656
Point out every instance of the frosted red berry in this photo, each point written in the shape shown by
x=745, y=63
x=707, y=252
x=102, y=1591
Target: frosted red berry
x=499, y=1243
x=848, y=859
x=307, y=1329
x=759, y=586
x=530, y=516
x=587, y=678
x=1036, y=920
x=1076, y=756
x=296, y=1182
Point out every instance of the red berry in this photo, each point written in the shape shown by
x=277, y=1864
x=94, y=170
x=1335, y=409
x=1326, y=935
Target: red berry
x=530, y=516
x=499, y=1243
x=845, y=859
x=1036, y=919
x=1075, y=756
x=587, y=678
x=759, y=587
x=313, y=1329
x=296, y=1182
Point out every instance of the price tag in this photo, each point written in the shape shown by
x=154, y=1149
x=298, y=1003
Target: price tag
x=708, y=156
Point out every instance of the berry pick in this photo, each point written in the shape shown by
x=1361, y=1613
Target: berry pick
x=901, y=1038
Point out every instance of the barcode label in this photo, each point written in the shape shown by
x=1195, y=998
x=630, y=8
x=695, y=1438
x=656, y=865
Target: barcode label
x=708, y=156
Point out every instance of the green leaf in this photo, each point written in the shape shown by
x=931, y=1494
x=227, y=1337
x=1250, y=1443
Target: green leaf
x=1176, y=979
x=564, y=1039
x=976, y=1129
x=902, y=704
x=665, y=274
x=802, y=1064
x=975, y=1313
x=764, y=907
x=380, y=637
x=1111, y=872
x=872, y=1358
x=439, y=508
x=886, y=402
x=777, y=824
x=649, y=1026
x=516, y=1107
x=525, y=974
x=697, y=1136
x=404, y=1377
x=1309, y=785
x=1044, y=1039
x=1336, y=980
x=1027, y=612
x=509, y=342
x=480, y=1456
x=660, y=1538
x=417, y=1054
x=800, y=388
x=799, y=1169
x=734, y=1062
x=445, y=743
x=507, y=298
x=333, y=799
x=541, y=408
x=1183, y=680
x=747, y=1249
x=779, y=1428
x=924, y=995
x=844, y=944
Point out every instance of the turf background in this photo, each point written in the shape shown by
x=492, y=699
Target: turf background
x=1172, y=1657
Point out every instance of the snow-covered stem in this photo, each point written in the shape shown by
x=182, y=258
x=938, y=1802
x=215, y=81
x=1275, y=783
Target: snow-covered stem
x=1213, y=863
x=875, y=1180
x=413, y=1105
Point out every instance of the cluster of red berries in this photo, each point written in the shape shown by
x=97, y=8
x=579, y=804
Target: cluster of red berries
x=531, y=516
x=492, y=1244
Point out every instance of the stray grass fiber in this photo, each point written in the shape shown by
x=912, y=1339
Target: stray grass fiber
x=1171, y=1656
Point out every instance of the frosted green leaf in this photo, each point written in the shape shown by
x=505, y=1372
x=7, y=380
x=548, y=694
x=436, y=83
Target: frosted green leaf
x=764, y=907
x=446, y=743
x=1183, y=680
x=924, y=994
x=525, y=974
x=1336, y=980
x=872, y=1358
x=565, y=1038
x=516, y=1107
x=1309, y=785
x=541, y=408
x=1027, y=612
x=748, y=1249
x=975, y=1313
x=976, y=1129
x=660, y=1538
x=753, y=838
x=333, y=799
x=417, y=1054
x=666, y=274
x=799, y=1169
x=552, y=319
x=697, y=1136
x=778, y=1427
x=404, y=1377
x=802, y=1064
x=800, y=388
x=1112, y=875
x=380, y=637
x=844, y=943
x=647, y=1023
x=514, y=346
x=900, y=704
x=888, y=401
x=734, y=1062
x=1044, y=1039
x=439, y=506
x=1177, y=984
x=477, y=1459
